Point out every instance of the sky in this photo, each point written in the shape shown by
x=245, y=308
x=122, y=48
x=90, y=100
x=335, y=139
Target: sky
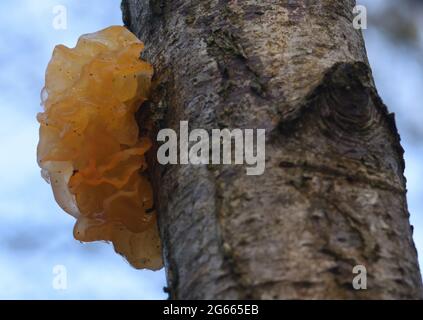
x=36, y=242
x=398, y=72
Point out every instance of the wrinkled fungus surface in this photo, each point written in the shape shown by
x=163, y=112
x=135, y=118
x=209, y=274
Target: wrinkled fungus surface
x=90, y=150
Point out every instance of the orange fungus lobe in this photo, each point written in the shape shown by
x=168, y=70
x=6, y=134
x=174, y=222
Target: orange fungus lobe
x=90, y=150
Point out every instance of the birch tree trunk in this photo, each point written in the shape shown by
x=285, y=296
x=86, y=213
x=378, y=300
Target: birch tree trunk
x=333, y=194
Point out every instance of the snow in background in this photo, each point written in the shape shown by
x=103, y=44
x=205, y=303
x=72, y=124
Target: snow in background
x=36, y=235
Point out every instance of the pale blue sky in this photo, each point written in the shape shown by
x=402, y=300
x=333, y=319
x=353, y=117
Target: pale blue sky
x=36, y=235
x=398, y=73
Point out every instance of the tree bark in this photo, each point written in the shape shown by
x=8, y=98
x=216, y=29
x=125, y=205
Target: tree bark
x=333, y=194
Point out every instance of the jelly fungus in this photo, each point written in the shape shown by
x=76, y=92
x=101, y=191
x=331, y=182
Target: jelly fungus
x=90, y=150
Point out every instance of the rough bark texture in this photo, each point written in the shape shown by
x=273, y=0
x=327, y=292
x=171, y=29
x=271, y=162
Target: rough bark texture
x=333, y=193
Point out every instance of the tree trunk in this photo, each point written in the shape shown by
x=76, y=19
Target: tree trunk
x=333, y=193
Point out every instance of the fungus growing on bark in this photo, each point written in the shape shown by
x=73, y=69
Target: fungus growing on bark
x=90, y=150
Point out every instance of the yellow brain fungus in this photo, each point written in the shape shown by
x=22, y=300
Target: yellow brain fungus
x=90, y=150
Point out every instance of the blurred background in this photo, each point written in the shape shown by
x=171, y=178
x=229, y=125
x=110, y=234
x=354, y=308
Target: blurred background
x=36, y=243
